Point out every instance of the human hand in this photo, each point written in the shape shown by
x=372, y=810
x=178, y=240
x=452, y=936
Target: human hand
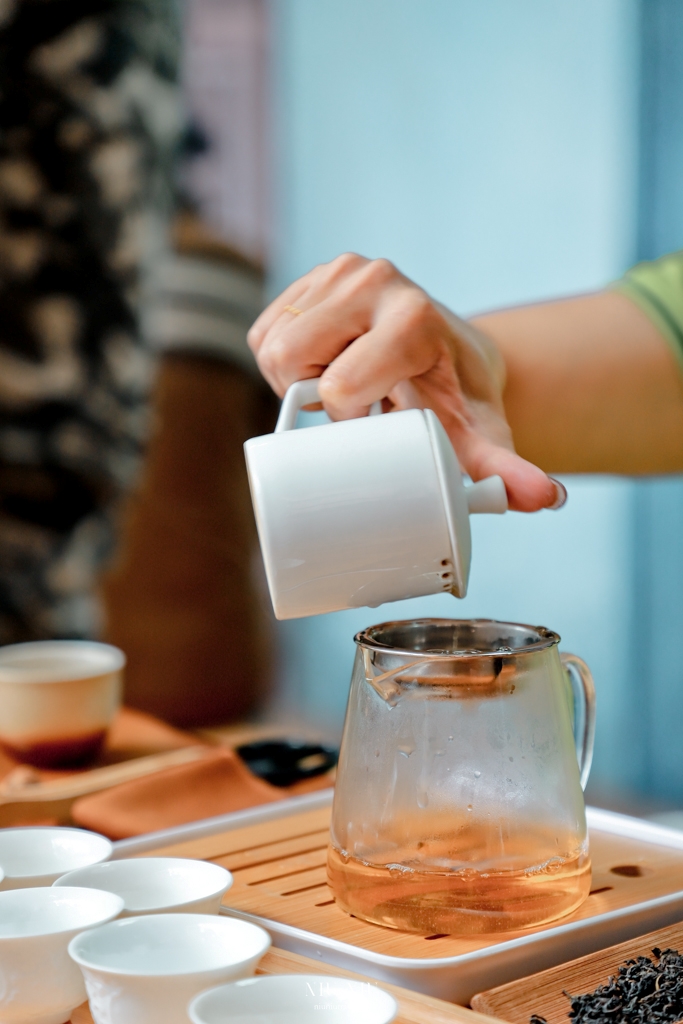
x=370, y=333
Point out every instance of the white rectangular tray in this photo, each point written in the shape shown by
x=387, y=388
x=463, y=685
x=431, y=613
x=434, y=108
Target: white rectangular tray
x=455, y=978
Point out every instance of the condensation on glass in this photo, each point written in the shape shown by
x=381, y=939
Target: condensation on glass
x=459, y=807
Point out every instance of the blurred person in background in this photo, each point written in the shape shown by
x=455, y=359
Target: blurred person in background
x=186, y=596
x=90, y=132
x=590, y=384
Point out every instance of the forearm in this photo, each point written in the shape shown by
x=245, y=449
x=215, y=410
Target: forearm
x=591, y=386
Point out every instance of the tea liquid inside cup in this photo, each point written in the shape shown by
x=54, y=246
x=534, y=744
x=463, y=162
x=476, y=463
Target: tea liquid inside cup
x=57, y=699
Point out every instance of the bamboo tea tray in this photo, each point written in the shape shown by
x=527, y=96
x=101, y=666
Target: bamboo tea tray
x=277, y=856
x=413, y=1008
x=543, y=993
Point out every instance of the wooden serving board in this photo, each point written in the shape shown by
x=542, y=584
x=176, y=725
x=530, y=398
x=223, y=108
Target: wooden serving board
x=414, y=1008
x=279, y=869
x=137, y=744
x=543, y=993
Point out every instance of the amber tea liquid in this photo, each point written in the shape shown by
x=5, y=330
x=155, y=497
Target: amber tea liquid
x=494, y=893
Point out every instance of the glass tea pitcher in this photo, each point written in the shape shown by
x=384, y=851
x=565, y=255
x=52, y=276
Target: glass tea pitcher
x=458, y=807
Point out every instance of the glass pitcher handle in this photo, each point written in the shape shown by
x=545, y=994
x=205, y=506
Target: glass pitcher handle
x=583, y=689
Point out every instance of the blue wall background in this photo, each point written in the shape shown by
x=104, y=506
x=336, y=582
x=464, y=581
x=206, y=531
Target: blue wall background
x=655, y=695
x=491, y=150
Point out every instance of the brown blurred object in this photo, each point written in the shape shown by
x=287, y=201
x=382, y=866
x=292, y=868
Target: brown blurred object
x=190, y=236
x=134, y=734
x=184, y=600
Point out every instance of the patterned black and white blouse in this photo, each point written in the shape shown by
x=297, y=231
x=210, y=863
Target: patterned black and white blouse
x=89, y=128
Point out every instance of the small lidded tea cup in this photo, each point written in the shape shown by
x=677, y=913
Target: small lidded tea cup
x=149, y=968
x=57, y=700
x=37, y=856
x=38, y=981
x=157, y=885
x=289, y=998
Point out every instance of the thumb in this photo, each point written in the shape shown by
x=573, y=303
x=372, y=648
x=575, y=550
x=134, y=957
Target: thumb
x=529, y=489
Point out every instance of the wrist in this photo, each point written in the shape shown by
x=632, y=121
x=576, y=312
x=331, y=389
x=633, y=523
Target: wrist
x=478, y=339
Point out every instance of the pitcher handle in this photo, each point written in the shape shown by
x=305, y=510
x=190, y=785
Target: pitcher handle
x=583, y=689
x=299, y=394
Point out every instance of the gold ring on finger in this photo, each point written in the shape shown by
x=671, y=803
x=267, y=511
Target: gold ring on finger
x=293, y=310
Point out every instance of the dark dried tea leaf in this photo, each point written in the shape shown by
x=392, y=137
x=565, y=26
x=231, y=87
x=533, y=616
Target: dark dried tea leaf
x=643, y=991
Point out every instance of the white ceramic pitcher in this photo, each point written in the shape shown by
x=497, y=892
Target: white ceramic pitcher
x=361, y=511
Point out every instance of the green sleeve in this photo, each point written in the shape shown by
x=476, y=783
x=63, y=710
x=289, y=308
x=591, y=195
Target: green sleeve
x=657, y=289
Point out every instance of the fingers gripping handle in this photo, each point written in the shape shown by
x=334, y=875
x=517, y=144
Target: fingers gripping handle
x=299, y=394
x=581, y=680
x=487, y=495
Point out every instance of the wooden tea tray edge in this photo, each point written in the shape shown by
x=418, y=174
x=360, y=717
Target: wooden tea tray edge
x=458, y=979
x=542, y=992
x=455, y=978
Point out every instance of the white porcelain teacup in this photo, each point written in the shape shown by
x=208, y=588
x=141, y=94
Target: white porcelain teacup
x=294, y=999
x=155, y=885
x=38, y=980
x=36, y=856
x=362, y=511
x=144, y=969
x=57, y=699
